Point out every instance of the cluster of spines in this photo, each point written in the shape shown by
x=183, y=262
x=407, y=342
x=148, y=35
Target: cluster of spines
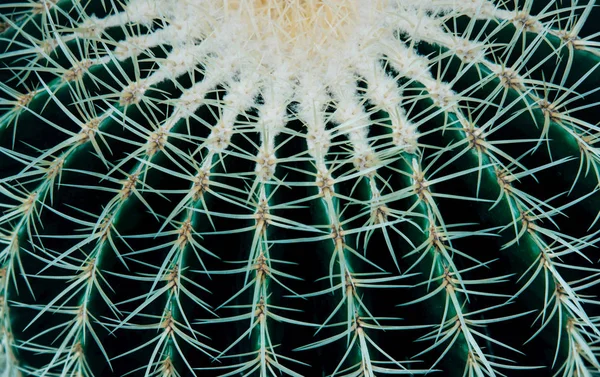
x=313, y=116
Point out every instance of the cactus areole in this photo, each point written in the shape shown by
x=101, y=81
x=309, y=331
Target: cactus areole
x=301, y=188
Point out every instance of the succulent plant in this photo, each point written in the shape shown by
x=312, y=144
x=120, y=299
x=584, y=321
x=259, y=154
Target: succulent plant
x=299, y=188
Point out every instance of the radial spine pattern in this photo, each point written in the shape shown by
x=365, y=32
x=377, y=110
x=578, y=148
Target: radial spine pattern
x=344, y=188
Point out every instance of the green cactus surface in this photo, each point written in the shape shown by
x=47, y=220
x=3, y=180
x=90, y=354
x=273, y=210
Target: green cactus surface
x=301, y=188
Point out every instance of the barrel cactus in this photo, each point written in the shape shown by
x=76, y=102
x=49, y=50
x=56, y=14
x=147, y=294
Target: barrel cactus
x=299, y=188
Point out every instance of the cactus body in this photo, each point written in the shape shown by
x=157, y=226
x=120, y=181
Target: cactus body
x=299, y=188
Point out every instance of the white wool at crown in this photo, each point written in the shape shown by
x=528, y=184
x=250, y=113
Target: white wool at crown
x=291, y=51
x=285, y=51
x=246, y=39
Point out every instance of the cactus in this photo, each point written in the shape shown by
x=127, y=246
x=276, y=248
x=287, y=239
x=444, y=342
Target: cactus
x=299, y=188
